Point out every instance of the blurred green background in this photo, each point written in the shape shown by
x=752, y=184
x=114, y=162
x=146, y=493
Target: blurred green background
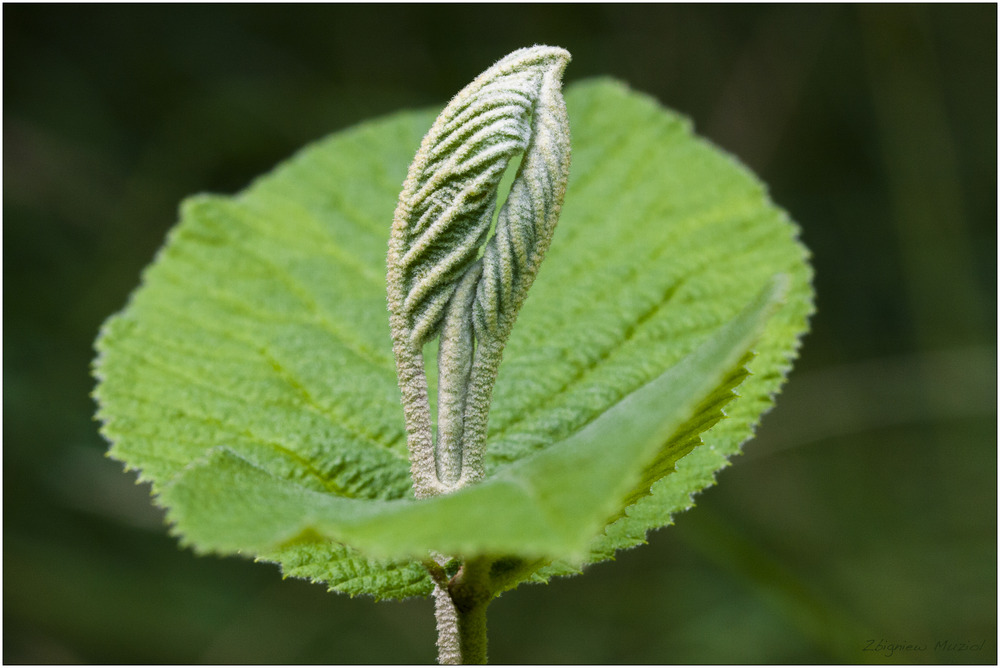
x=864, y=512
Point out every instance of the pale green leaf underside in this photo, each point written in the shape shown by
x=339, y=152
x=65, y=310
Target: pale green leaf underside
x=262, y=328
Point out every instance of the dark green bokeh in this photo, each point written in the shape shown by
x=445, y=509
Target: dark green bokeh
x=866, y=509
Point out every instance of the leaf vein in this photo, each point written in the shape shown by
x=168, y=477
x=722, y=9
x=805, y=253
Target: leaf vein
x=215, y=389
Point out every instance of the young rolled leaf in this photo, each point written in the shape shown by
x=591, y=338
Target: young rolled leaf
x=441, y=225
x=260, y=331
x=447, y=204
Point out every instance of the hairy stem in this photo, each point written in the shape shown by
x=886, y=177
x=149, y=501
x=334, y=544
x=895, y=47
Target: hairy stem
x=460, y=612
x=461, y=633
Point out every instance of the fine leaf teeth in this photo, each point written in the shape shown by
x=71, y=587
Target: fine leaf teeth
x=440, y=228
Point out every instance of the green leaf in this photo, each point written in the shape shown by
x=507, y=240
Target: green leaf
x=550, y=504
x=257, y=350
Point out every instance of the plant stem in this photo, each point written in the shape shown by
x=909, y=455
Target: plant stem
x=461, y=634
x=460, y=612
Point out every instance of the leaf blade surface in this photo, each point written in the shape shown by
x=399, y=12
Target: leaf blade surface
x=261, y=329
x=548, y=505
